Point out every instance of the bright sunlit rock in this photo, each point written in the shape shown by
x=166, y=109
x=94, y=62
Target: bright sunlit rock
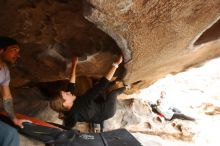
x=196, y=93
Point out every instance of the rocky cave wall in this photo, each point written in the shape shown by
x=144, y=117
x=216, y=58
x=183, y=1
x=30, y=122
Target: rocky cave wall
x=156, y=37
x=50, y=32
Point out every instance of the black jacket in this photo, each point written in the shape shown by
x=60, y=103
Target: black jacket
x=85, y=108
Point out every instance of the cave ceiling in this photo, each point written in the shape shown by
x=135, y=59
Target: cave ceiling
x=156, y=37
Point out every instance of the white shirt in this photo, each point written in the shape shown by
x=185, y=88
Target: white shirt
x=4, y=76
x=166, y=111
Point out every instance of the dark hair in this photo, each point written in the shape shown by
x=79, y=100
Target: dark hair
x=57, y=104
x=6, y=41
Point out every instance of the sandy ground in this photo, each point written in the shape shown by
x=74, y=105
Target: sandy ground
x=190, y=91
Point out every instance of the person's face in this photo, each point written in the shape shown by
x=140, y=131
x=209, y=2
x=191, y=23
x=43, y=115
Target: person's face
x=162, y=94
x=11, y=54
x=158, y=102
x=68, y=99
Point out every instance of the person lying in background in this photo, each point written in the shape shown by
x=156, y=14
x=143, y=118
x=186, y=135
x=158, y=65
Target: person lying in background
x=168, y=113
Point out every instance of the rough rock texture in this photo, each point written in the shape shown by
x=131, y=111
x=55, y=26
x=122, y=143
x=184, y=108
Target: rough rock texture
x=135, y=115
x=50, y=32
x=157, y=36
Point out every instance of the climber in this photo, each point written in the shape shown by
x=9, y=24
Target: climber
x=92, y=106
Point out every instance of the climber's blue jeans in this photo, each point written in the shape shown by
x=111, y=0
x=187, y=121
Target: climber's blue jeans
x=8, y=135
